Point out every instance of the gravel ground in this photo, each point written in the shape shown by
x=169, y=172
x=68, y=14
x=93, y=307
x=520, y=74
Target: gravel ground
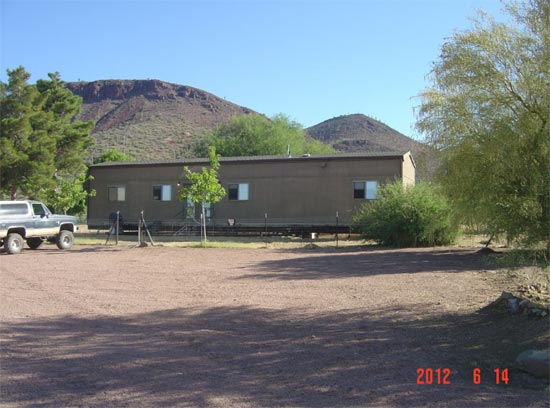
x=160, y=326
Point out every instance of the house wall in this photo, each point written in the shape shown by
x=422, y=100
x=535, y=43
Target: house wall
x=306, y=191
x=409, y=169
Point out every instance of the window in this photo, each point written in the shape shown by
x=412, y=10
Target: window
x=117, y=193
x=238, y=192
x=358, y=189
x=37, y=209
x=365, y=189
x=162, y=192
x=189, y=209
x=208, y=210
x=13, y=209
x=371, y=190
x=190, y=212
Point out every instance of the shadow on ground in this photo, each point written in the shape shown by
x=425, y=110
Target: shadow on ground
x=51, y=249
x=371, y=262
x=246, y=356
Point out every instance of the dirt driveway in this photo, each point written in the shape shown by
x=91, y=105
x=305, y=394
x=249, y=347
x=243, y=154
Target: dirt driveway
x=159, y=326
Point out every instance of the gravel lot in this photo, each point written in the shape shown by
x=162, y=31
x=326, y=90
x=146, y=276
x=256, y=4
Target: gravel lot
x=159, y=326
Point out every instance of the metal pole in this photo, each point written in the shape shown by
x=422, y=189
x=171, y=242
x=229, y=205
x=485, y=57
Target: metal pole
x=336, y=229
x=139, y=232
x=117, y=225
x=146, y=230
x=265, y=224
x=202, y=228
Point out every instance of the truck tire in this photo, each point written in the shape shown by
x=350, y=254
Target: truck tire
x=14, y=243
x=34, y=243
x=65, y=240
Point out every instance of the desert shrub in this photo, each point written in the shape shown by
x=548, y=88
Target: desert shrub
x=407, y=217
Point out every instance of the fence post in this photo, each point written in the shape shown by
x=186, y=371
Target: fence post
x=336, y=229
x=139, y=231
x=117, y=224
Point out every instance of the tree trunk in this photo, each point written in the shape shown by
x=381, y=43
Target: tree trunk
x=13, y=192
x=203, y=212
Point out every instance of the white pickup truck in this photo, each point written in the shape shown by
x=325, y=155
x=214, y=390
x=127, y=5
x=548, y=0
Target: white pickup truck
x=34, y=222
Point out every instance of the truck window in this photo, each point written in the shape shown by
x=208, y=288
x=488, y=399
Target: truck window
x=37, y=209
x=13, y=209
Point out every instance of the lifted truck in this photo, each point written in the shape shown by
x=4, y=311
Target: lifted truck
x=34, y=222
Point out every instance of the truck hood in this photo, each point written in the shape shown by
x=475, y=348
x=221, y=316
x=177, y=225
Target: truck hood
x=63, y=218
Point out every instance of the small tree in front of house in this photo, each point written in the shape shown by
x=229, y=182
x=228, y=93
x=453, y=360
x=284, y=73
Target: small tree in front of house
x=70, y=194
x=205, y=187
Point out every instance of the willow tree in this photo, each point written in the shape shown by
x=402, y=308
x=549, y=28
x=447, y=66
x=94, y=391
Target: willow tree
x=487, y=112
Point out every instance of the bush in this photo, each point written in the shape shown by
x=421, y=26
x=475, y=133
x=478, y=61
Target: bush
x=407, y=217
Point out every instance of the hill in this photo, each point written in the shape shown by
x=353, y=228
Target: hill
x=156, y=120
x=150, y=119
x=360, y=133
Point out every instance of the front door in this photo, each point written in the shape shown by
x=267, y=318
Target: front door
x=43, y=224
x=193, y=212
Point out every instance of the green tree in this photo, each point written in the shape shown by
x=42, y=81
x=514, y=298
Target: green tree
x=253, y=135
x=487, y=112
x=39, y=140
x=408, y=216
x=205, y=187
x=70, y=194
x=113, y=155
x=21, y=162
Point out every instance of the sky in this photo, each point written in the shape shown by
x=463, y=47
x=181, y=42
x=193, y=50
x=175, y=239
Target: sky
x=309, y=59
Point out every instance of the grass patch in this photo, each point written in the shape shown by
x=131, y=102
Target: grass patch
x=327, y=242
x=520, y=258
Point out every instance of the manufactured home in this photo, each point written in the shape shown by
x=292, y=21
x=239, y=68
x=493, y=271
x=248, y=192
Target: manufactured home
x=310, y=193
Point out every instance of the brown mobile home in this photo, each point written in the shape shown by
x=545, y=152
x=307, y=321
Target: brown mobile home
x=277, y=192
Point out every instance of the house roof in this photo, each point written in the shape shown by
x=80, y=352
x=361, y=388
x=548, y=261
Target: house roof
x=193, y=161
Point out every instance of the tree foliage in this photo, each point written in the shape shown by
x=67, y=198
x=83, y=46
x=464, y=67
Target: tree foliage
x=409, y=216
x=39, y=141
x=205, y=186
x=70, y=195
x=113, y=155
x=255, y=135
x=487, y=112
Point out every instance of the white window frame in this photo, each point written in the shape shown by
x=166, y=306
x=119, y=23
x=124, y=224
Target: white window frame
x=243, y=191
x=120, y=193
x=165, y=192
x=370, y=188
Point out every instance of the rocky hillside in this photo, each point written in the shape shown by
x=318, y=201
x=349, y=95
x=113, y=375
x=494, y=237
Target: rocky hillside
x=360, y=133
x=150, y=119
x=155, y=120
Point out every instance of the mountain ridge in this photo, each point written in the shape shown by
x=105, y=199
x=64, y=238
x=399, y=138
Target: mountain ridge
x=156, y=120
x=150, y=119
x=359, y=132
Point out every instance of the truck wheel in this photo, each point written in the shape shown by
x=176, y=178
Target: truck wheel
x=65, y=239
x=34, y=243
x=14, y=243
